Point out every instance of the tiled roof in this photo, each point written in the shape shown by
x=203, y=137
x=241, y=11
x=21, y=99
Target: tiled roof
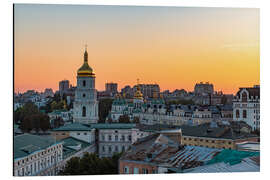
x=158, y=149
x=251, y=91
x=73, y=127
x=26, y=144
x=246, y=165
x=217, y=132
x=113, y=125
x=71, y=141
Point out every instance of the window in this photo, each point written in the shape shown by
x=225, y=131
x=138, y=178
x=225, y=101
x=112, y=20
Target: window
x=244, y=113
x=110, y=137
x=237, y=113
x=123, y=138
x=83, y=95
x=116, y=138
x=144, y=171
x=135, y=171
x=116, y=148
x=110, y=149
x=103, y=148
x=213, y=141
x=103, y=138
x=84, y=83
x=85, y=133
x=126, y=170
x=78, y=134
x=244, y=97
x=123, y=148
x=83, y=111
x=129, y=137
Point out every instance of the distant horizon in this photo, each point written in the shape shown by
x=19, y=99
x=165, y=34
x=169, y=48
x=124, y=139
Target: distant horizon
x=119, y=90
x=175, y=47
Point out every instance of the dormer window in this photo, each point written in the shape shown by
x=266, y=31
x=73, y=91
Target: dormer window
x=244, y=97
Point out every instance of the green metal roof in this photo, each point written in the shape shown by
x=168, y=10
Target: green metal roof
x=26, y=144
x=113, y=125
x=70, y=141
x=73, y=127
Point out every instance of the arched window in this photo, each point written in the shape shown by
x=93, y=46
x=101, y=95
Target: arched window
x=237, y=113
x=84, y=83
x=244, y=113
x=244, y=97
x=83, y=111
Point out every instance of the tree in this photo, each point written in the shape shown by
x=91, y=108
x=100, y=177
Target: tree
x=72, y=167
x=31, y=118
x=29, y=108
x=91, y=164
x=181, y=101
x=124, y=119
x=104, y=107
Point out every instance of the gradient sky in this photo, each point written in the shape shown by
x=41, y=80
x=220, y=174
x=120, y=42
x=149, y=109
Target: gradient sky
x=172, y=46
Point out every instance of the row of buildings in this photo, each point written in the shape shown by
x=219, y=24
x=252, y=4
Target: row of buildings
x=245, y=107
x=47, y=155
x=167, y=139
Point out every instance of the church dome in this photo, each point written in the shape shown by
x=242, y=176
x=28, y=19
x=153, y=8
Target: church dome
x=85, y=70
x=138, y=94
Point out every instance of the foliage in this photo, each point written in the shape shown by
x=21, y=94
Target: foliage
x=181, y=101
x=91, y=164
x=104, y=107
x=124, y=119
x=30, y=118
x=59, y=105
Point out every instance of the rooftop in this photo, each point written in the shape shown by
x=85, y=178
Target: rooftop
x=161, y=150
x=250, y=164
x=113, y=125
x=26, y=144
x=73, y=127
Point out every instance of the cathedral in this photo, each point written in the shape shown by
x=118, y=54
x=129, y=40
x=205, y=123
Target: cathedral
x=85, y=105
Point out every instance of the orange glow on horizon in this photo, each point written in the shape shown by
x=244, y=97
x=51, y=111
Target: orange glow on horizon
x=171, y=49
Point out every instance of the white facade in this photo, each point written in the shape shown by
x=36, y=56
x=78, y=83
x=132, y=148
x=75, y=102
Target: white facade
x=87, y=136
x=85, y=105
x=37, y=163
x=246, y=107
x=114, y=141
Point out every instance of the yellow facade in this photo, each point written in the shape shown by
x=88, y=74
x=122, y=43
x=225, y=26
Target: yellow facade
x=208, y=142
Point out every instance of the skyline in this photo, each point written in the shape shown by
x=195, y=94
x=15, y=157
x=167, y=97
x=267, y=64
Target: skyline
x=172, y=46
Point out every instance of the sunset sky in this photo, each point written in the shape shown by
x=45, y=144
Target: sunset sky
x=172, y=46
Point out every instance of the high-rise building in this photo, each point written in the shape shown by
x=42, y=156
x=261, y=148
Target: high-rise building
x=246, y=106
x=63, y=87
x=203, y=88
x=85, y=103
x=148, y=90
x=111, y=88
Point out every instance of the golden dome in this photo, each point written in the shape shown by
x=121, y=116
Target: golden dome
x=138, y=94
x=85, y=70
